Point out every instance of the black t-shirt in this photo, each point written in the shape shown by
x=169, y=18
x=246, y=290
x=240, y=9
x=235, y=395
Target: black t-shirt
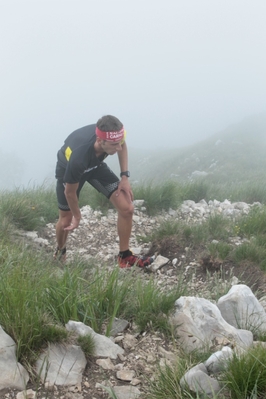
x=77, y=155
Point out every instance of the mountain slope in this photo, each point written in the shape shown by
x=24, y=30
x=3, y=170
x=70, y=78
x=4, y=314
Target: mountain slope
x=235, y=154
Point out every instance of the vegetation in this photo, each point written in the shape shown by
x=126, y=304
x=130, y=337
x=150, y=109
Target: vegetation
x=37, y=299
x=245, y=376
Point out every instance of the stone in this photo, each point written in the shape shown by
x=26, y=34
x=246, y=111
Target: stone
x=106, y=364
x=240, y=308
x=12, y=373
x=28, y=394
x=61, y=365
x=199, y=322
x=126, y=392
x=103, y=345
x=118, y=326
x=159, y=262
x=125, y=375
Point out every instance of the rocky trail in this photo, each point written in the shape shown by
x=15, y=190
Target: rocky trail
x=97, y=238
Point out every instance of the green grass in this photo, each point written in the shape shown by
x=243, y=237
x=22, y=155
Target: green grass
x=29, y=209
x=150, y=307
x=219, y=250
x=194, y=191
x=166, y=383
x=87, y=344
x=245, y=376
x=215, y=227
x=157, y=197
x=37, y=298
x=215, y=234
x=23, y=313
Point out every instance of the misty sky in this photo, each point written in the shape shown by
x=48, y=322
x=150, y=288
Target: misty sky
x=174, y=72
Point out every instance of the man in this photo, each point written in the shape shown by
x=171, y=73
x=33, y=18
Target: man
x=80, y=160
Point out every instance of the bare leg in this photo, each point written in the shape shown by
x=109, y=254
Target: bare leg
x=64, y=220
x=124, y=221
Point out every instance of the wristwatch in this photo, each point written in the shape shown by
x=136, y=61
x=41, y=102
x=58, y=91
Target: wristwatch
x=126, y=173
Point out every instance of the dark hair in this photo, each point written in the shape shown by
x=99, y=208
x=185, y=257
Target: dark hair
x=109, y=123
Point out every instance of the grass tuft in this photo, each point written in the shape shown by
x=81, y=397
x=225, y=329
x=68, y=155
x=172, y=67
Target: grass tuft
x=245, y=376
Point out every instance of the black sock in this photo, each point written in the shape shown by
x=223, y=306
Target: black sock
x=125, y=254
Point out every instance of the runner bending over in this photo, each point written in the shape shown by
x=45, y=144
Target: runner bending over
x=80, y=160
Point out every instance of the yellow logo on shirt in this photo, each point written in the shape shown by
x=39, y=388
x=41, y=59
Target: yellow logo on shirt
x=68, y=153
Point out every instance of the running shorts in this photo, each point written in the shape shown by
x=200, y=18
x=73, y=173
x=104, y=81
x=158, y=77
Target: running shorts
x=102, y=178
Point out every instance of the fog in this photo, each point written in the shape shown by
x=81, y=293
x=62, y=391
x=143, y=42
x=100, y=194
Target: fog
x=174, y=72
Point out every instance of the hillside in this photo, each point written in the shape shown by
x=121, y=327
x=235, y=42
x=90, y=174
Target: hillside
x=233, y=155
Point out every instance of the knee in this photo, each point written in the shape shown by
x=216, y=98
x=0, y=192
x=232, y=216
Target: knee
x=64, y=222
x=127, y=211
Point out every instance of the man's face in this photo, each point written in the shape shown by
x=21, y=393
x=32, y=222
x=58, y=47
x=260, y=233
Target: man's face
x=110, y=147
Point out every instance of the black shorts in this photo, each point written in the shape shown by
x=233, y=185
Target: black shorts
x=102, y=178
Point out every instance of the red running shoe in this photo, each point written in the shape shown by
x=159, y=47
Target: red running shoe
x=133, y=260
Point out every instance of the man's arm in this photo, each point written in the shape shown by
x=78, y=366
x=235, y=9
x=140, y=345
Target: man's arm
x=123, y=158
x=124, y=183
x=72, y=200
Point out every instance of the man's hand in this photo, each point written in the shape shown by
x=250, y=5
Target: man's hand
x=125, y=187
x=73, y=225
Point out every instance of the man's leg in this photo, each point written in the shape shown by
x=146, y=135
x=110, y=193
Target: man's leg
x=124, y=221
x=64, y=220
x=124, y=225
x=65, y=217
x=106, y=182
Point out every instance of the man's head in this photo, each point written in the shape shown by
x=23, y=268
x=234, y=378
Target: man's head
x=109, y=134
x=110, y=128
x=109, y=123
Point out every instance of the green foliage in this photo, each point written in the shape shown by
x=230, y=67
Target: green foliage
x=66, y=295
x=219, y=282
x=218, y=226
x=245, y=376
x=93, y=297
x=157, y=197
x=167, y=382
x=254, y=223
x=108, y=296
x=5, y=228
x=150, y=307
x=169, y=228
x=29, y=209
x=38, y=298
x=249, y=251
x=255, y=191
x=23, y=314
x=194, y=191
x=220, y=250
x=215, y=227
x=87, y=344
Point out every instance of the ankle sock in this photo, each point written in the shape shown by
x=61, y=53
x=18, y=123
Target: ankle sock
x=125, y=254
x=62, y=251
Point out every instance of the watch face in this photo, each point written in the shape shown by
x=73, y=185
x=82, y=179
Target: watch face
x=125, y=173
